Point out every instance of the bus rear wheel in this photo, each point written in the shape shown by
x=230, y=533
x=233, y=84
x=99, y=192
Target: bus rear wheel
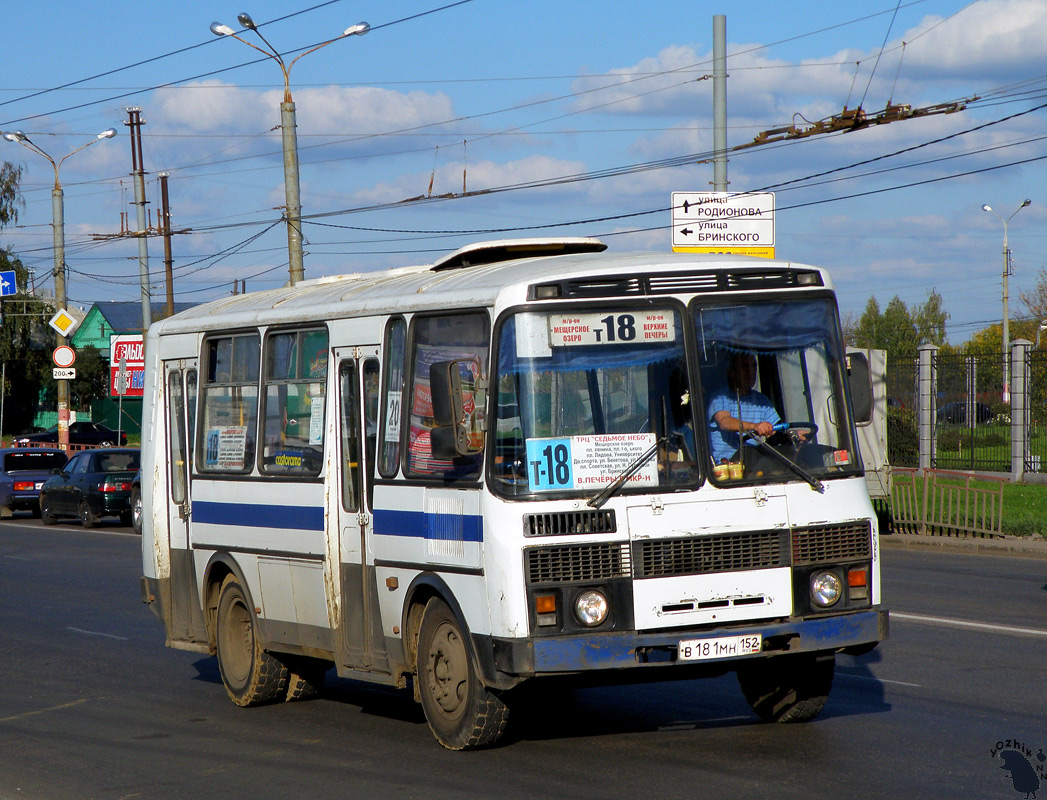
x=790, y=688
x=250, y=674
x=462, y=713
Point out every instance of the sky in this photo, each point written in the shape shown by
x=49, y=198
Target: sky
x=455, y=122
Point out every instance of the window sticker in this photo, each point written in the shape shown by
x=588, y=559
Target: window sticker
x=316, y=421
x=588, y=462
x=226, y=447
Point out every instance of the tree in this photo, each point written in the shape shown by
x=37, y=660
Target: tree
x=899, y=329
x=24, y=351
x=1035, y=302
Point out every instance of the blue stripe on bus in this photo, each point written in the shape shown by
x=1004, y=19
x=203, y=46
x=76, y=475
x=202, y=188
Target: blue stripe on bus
x=419, y=524
x=308, y=518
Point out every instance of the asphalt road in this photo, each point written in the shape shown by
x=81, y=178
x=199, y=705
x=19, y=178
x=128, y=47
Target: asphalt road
x=92, y=705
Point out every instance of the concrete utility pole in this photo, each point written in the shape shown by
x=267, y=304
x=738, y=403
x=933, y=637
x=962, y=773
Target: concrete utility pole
x=288, y=125
x=720, y=103
x=58, y=224
x=135, y=123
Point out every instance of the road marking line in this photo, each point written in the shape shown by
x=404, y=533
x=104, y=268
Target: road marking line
x=42, y=711
x=96, y=633
x=962, y=623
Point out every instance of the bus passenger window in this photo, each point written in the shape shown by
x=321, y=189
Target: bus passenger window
x=295, y=382
x=392, y=407
x=230, y=403
x=458, y=337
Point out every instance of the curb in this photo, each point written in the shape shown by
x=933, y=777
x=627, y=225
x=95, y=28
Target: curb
x=1012, y=546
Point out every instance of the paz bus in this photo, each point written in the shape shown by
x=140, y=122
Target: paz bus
x=498, y=469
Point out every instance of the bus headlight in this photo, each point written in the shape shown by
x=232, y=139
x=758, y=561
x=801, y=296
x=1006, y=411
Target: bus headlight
x=590, y=608
x=826, y=589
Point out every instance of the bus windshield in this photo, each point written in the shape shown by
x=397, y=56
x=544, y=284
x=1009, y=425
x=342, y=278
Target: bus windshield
x=773, y=369
x=581, y=396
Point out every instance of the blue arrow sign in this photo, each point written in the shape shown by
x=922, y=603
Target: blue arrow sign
x=7, y=283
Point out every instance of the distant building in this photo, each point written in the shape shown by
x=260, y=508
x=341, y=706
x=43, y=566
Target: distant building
x=104, y=319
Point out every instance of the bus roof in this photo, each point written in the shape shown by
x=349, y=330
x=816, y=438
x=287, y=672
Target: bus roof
x=481, y=275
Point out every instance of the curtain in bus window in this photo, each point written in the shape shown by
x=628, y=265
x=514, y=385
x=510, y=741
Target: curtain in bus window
x=766, y=327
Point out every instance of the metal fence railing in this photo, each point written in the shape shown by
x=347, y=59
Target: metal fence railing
x=943, y=503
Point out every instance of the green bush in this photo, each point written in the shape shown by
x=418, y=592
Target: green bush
x=903, y=441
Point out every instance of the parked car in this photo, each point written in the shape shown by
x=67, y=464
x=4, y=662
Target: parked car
x=92, y=484
x=22, y=473
x=956, y=413
x=94, y=433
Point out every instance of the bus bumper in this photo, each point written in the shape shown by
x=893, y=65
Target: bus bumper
x=560, y=655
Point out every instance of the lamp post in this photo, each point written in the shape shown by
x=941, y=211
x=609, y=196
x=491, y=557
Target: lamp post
x=58, y=224
x=288, y=126
x=1006, y=314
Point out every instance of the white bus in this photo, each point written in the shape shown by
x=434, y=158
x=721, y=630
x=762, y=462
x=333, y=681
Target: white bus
x=503, y=468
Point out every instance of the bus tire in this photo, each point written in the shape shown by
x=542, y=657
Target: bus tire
x=305, y=677
x=462, y=713
x=790, y=688
x=250, y=674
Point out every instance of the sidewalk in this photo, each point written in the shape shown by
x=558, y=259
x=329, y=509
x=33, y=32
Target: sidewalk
x=1014, y=546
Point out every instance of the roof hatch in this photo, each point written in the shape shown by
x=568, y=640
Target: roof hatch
x=474, y=255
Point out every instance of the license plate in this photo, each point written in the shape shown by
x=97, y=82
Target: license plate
x=40, y=485
x=720, y=647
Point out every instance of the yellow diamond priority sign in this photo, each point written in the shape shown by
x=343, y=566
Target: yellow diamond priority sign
x=64, y=322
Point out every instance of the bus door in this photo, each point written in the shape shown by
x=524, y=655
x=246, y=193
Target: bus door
x=361, y=644
x=187, y=623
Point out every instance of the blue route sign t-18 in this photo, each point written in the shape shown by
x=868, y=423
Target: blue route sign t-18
x=7, y=283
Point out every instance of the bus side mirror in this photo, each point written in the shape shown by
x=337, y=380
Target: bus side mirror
x=859, y=377
x=453, y=409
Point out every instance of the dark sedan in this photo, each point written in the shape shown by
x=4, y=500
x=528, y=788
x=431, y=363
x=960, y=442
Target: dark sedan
x=93, y=433
x=22, y=473
x=92, y=485
x=956, y=413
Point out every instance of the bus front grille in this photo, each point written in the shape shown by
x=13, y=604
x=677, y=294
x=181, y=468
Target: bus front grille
x=578, y=562
x=702, y=555
x=846, y=541
x=566, y=522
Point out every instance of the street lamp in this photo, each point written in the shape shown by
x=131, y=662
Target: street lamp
x=290, y=137
x=1043, y=327
x=58, y=224
x=1006, y=319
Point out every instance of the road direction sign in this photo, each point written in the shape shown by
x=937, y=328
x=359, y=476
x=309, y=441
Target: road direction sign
x=8, y=285
x=741, y=223
x=64, y=356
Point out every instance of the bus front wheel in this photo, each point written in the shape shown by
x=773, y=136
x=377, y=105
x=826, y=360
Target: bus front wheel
x=250, y=674
x=790, y=688
x=462, y=713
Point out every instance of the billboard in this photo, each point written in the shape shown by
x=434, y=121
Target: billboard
x=131, y=349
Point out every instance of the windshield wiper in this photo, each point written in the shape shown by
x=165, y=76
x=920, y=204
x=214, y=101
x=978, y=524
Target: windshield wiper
x=611, y=489
x=763, y=447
